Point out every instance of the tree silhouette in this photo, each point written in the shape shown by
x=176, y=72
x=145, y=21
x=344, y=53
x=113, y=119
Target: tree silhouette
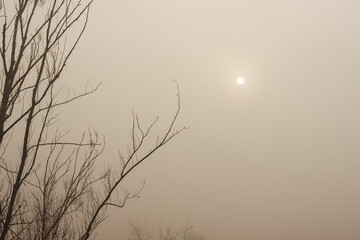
x=47, y=186
x=144, y=231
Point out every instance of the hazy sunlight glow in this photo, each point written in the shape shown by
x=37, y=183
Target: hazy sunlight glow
x=240, y=80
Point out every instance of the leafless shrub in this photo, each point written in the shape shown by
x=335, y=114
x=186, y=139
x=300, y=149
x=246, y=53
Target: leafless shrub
x=144, y=231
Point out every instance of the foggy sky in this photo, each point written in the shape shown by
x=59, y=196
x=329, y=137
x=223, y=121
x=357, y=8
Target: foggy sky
x=277, y=158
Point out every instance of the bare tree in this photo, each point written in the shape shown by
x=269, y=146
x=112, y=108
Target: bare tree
x=47, y=186
x=144, y=231
x=140, y=231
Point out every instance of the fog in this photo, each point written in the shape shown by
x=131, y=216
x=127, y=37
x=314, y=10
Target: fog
x=275, y=158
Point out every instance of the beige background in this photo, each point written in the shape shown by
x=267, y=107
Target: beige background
x=276, y=158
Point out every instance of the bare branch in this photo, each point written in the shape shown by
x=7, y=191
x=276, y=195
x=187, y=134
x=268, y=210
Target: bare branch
x=47, y=190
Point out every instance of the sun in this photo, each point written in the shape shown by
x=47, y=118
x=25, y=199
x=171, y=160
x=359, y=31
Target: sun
x=240, y=80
